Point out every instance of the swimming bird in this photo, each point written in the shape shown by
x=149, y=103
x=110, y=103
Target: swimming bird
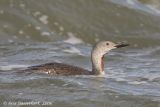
x=97, y=56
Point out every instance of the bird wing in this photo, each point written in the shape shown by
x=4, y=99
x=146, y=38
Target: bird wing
x=59, y=69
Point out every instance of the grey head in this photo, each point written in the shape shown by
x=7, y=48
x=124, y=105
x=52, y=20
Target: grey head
x=98, y=52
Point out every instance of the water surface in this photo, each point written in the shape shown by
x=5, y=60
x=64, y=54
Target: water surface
x=34, y=33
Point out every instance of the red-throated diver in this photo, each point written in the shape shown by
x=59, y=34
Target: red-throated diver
x=97, y=55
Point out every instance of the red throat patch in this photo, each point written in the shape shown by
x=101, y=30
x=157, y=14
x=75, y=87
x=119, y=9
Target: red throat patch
x=102, y=63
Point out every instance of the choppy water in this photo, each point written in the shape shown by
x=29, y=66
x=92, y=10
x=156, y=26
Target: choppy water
x=39, y=31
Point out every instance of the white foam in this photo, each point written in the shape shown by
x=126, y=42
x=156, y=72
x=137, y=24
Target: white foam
x=45, y=34
x=20, y=93
x=38, y=28
x=11, y=67
x=10, y=41
x=72, y=39
x=21, y=32
x=61, y=28
x=36, y=13
x=131, y=2
x=44, y=19
x=137, y=82
x=73, y=50
x=56, y=23
x=155, y=9
x=116, y=96
x=120, y=79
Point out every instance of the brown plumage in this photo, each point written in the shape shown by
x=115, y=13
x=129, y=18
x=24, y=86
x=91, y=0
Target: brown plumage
x=97, y=55
x=59, y=69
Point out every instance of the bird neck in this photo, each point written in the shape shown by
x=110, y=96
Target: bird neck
x=97, y=63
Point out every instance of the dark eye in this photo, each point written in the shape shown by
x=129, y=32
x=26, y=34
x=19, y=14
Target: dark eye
x=107, y=43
